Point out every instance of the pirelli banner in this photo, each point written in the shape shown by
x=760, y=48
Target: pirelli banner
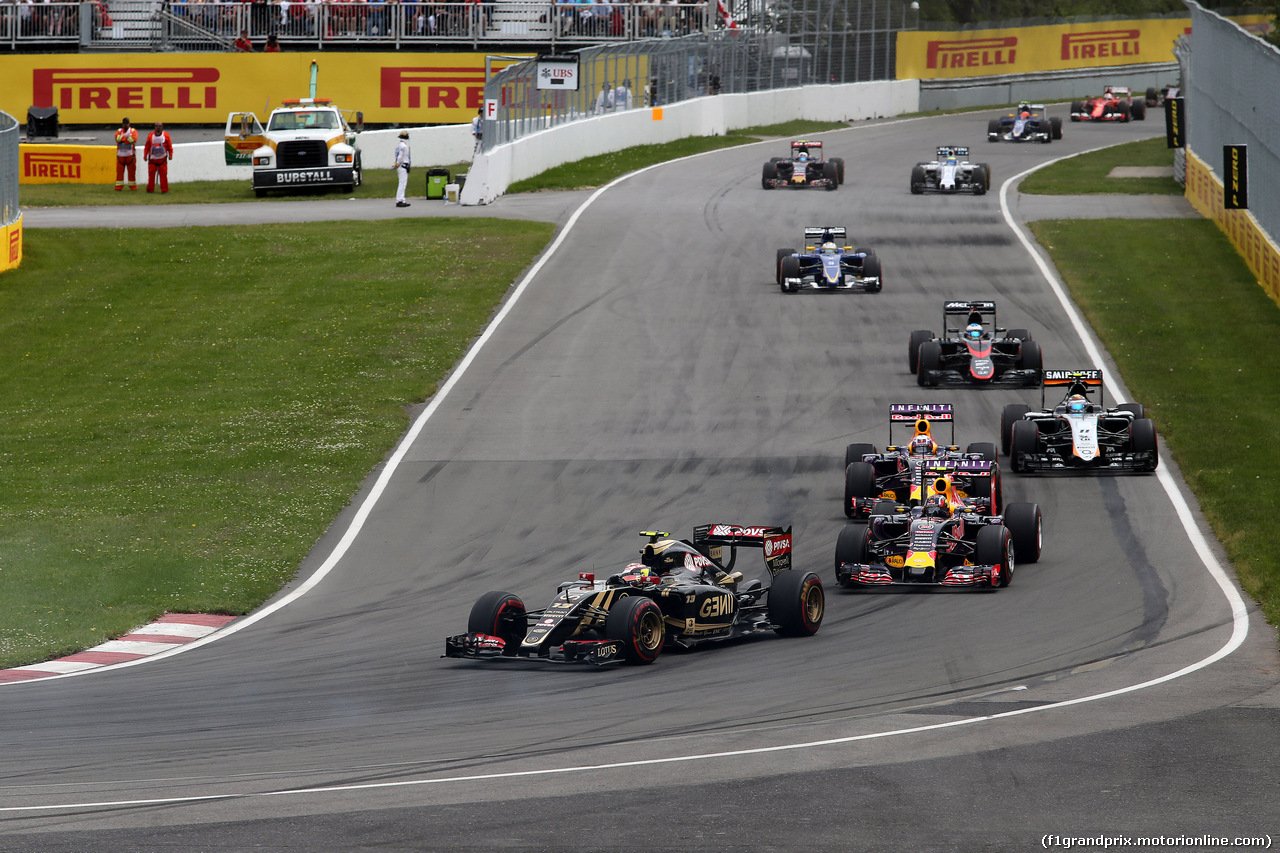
x=202, y=88
x=67, y=164
x=12, y=256
x=1055, y=47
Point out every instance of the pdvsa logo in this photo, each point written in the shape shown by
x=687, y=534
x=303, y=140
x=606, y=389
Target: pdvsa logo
x=48, y=164
x=452, y=88
x=125, y=88
x=973, y=53
x=1103, y=44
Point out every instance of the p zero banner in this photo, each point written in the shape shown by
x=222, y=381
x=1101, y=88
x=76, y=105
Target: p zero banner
x=202, y=88
x=1175, y=122
x=1054, y=47
x=1235, y=183
x=67, y=164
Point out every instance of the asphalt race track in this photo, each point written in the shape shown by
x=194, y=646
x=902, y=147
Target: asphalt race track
x=651, y=375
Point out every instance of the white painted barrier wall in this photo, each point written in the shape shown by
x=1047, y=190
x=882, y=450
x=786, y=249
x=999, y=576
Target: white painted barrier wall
x=491, y=173
x=206, y=161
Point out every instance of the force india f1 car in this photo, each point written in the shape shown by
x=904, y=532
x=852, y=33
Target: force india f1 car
x=680, y=594
x=1028, y=123
x=827, y=264
x=898, y=473
x=1077, y=434
x=804, y=168
x=951, y=173
x=974, y=356
x=1116, y=104
x=946, y=541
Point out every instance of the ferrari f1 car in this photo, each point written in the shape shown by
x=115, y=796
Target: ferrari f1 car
x=828, y=264
x=897, y=474
x=951, y=173
x=1078, y=434
x=1115, y=104
x=945, y=541
x=975, y=354
x=804, y=168
x=1028, y=123
x=682, y=593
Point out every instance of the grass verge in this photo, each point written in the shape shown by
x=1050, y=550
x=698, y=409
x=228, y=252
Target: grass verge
x=187, y=412
x=1088, y=173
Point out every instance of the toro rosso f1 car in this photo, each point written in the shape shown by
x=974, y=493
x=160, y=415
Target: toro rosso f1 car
x=946, y=541
x=804, y=168
x=1078, y=434
x=1028, y=123
x=828, y=264
x=898, y=473
x=974, y=355
x=951, y=173
x=682, y=593
x=1115, y=104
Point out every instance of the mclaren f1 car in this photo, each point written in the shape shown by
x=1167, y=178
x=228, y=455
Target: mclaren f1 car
x=979, y=353
x=828, y=264
x=682, y=593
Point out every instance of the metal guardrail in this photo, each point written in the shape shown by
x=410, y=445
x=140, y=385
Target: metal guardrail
x=9, y=209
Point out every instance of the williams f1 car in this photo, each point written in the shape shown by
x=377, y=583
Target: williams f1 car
x=1115, y=104
x=1078, y=434
x=945, y=541
x=951, y=173
x=804, y=168
x=682, y=593
x=897, y=474
x=974, y=355
x=1028, y=123
x=827, y=264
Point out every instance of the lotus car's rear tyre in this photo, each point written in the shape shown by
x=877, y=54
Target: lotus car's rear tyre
x=636, y=623
x=500, y=614
x=797, y=603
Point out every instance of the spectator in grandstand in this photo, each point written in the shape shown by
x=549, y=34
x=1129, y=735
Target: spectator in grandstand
x=242, y=44
x=273, y=44
x=376, y=19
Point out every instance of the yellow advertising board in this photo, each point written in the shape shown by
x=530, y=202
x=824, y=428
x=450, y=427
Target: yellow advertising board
x=12, y=245
x=67, y=164
x=1053, y=47
x=202, y=88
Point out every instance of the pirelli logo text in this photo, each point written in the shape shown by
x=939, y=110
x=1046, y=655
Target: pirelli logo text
x=974, y=53
x=15, y=246
x=431, y=87
x=46, y=164
x=125, y=88
x=1104, y=44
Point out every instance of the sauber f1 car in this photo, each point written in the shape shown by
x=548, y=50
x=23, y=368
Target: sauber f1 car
x=1115, y=104
x=804, y=168
x=945, y=541
x=828, y=264
x=1078, y=434
x=974, y=355
x=898, y=473
x=1028, y=123
x=951, y=173
x=682, y=593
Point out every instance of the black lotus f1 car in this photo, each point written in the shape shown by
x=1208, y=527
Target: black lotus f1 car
x=828, y=264
x=681, y=593
x=1078, y=435
x=946, y=541
x=974, y=355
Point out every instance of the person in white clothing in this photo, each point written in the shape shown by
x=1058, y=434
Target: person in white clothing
x=604, y=100
x=622, y=96
x=402, y=168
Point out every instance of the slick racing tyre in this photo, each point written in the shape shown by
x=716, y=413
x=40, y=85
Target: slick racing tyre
x=854, y=452
x=1018, y=335
x=993, y=130
x=839, y=162
x=1055, y=127
x=797, y=603
x=1136, y=409
x=994, y=547
x=930, y=359
x=918, y=337
x=1025, y=524
x=790, y=269
x=859, y=482
x=1030, y=358
x=986, y=448
x=917, y=180
x=636, y=624
x=1138, y=110
x=770, y=174
x=831, y=175
x=851, y=547
x=871, y=269
x=1012, y=413
x=1142, y=438
x=500, y=614
x=981, y=180
x=777, y=270
x=1077, y=107
x=1023, y=438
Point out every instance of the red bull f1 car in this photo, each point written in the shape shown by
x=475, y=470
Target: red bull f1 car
x=1077, y=434
x=681, y=593
x=951, y=173
x=1115, y=104
x=1028, y=123
x=943, y=542
x=897, y=474
x=978, y=353
x=803, y=169
x=828, y=264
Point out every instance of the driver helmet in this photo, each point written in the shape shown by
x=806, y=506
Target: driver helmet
x=829, y=248
x=1026, y=114
x=935, y=506
x=921, y=445
x=973, y=332
x=1076, y=404
x=802, y=155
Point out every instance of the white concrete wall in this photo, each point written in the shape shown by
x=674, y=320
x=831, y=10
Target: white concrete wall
x=491, y=173
x=205, y=161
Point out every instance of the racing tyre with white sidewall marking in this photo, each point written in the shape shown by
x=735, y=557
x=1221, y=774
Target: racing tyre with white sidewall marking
x=993, y=130
x=981, y=181
x=839, y=161
x=994, y=547
x=797, y=603
x=636, y=623
x=500, y=614
x=790, y=269
x=918, y=337
x=1025, y=525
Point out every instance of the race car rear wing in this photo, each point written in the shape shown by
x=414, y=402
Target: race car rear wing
x=814, y=234
x=1080, y=381
x=976, y=311
x=914, y=413
x=945, y=151
x=711, y=539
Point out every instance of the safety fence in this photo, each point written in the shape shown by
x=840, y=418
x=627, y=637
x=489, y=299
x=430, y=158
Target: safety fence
x=9, y=132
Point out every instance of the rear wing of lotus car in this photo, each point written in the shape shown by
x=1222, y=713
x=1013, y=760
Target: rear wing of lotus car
x=815, y=235
x=711, y=539
x=1080, y=381
x=976, y=311
x=920, y=416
